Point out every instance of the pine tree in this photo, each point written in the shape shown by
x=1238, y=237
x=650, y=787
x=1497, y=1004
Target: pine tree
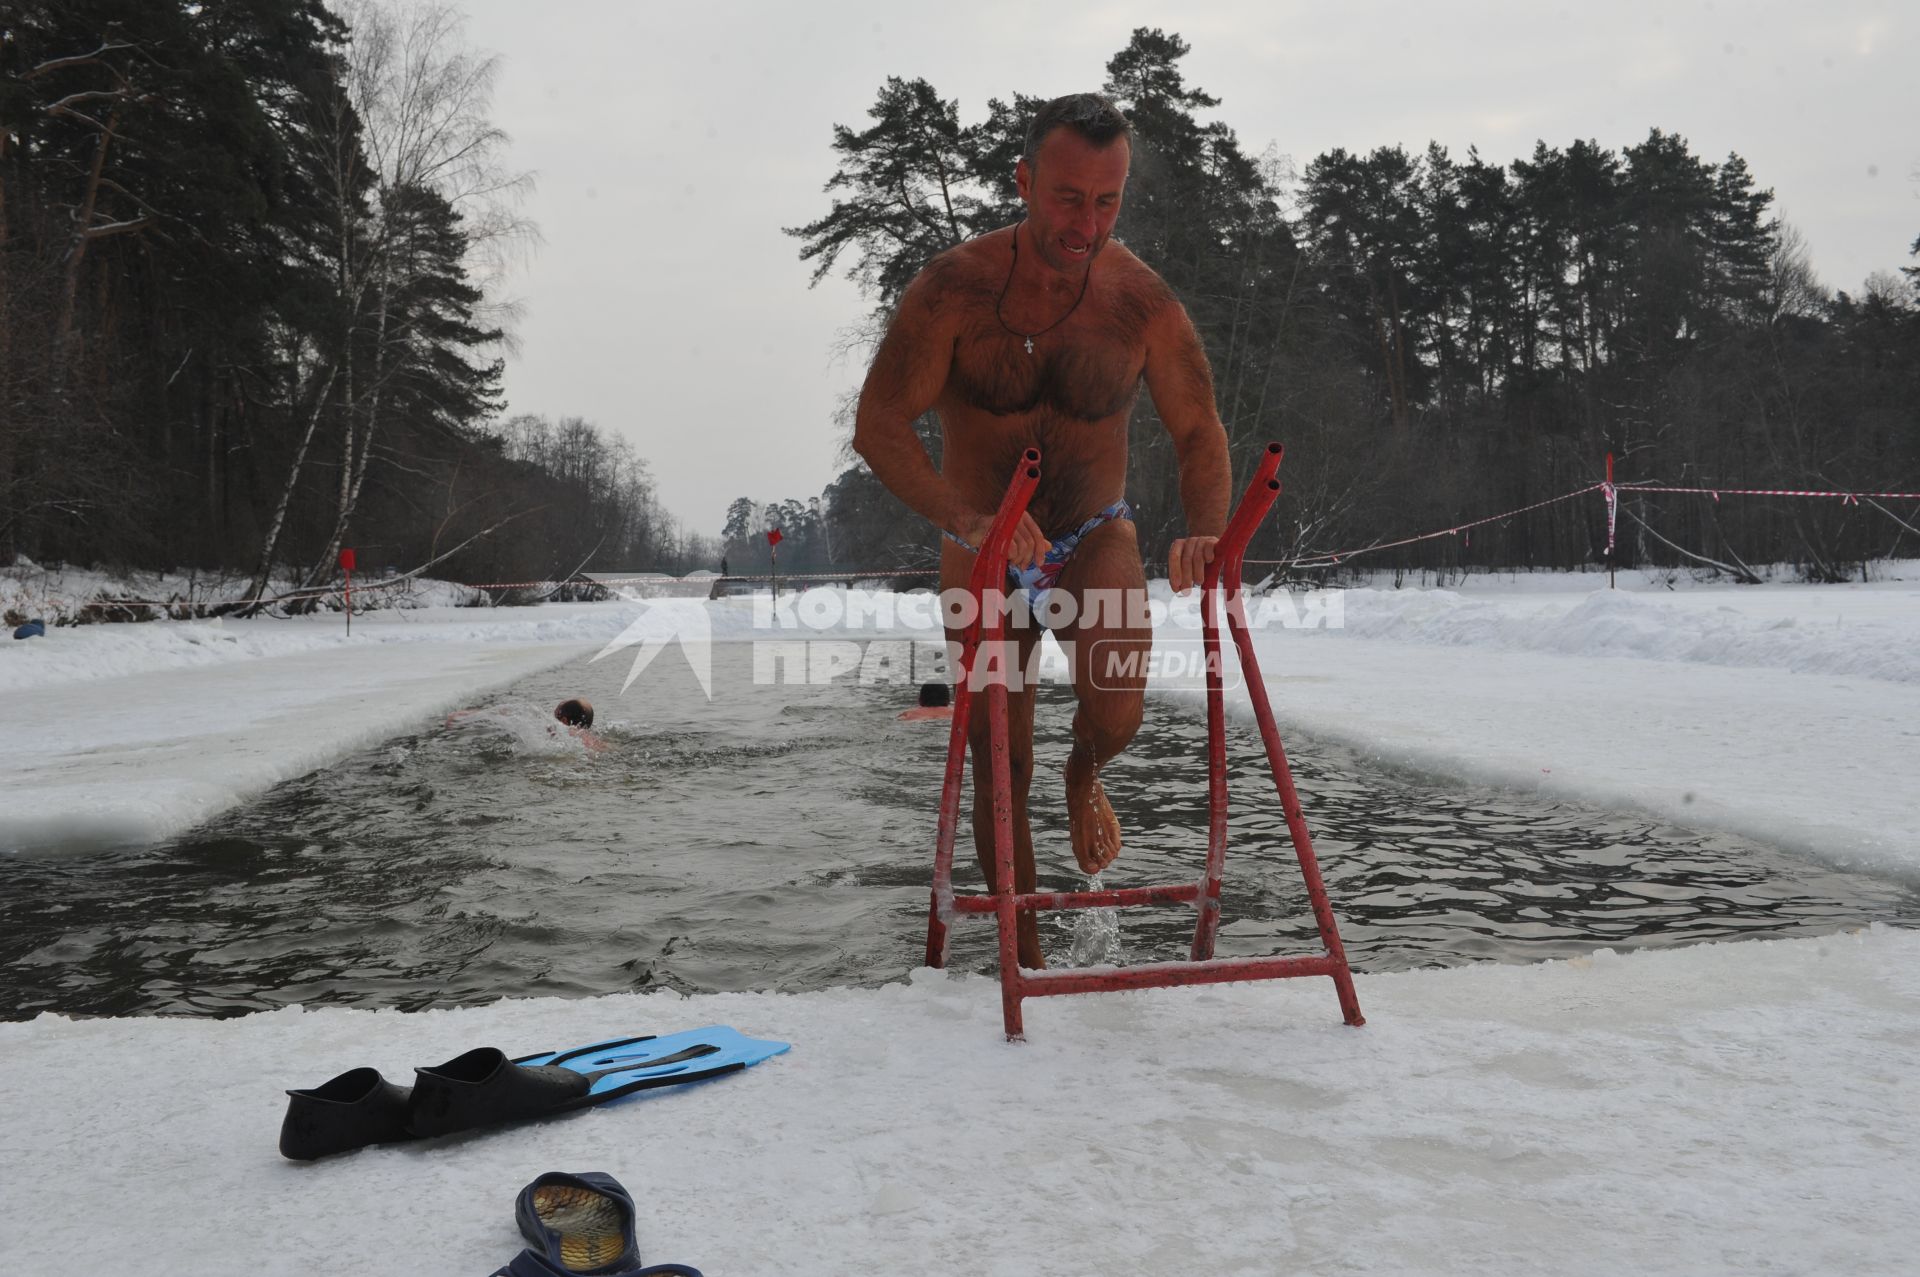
x=1362, y=215
x=912, y=184
x=1667, y=194
x=1740, y=239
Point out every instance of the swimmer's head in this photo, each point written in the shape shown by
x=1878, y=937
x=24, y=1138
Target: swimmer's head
x=934, y=696
x=575, y=712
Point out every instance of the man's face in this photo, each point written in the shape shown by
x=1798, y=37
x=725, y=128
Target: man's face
x=1072, y=192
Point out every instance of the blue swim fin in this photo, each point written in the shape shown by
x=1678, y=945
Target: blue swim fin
x=623, y=1065
x=484, y=1087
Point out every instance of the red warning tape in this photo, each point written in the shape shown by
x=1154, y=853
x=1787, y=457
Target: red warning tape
x=1330, y=559
x=1851, y=498
x=1611, y=491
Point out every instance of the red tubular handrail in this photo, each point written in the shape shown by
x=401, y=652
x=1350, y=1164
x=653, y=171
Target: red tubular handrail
x=987, y=626
x=1172, y=894
x=989, y=568
x=1262, y=490
x=1290, y=804
x=1157, y=975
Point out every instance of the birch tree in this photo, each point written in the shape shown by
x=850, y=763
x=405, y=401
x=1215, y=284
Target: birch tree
x=418, y=99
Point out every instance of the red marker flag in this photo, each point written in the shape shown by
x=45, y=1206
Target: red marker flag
x=774, y=537
x=346, y=565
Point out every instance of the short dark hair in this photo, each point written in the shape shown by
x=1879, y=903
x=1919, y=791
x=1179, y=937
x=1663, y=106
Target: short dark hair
x=934, y=695
x=574, y=713
x=1092, y=115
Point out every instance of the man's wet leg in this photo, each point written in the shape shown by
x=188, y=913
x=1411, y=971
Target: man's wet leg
x=1111, y=643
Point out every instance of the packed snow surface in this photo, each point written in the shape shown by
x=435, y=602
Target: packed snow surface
x=1741, y=1108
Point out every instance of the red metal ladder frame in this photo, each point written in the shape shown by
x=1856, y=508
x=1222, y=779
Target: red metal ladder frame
x=988, y=627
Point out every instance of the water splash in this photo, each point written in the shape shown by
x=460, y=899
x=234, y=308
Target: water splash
x=1096, y=935
x=518, y=731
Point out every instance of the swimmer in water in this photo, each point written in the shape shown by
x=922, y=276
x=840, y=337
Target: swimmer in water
x=935, y=702
x=576, y=713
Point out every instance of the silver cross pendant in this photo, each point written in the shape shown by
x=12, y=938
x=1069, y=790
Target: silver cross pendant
x=1029, y=345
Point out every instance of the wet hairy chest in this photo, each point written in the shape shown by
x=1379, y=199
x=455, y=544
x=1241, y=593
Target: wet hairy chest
x=1083, y=374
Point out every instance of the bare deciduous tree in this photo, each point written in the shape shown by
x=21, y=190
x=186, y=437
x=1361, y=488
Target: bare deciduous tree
x=1794, y=289
x=412, y=118
x=422, y=100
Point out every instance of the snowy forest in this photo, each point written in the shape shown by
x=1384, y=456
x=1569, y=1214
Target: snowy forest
x=1438, y=337
x=253, y=308
x=251, y=305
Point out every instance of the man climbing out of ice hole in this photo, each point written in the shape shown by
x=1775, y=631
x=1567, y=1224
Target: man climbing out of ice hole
x=1038, y=336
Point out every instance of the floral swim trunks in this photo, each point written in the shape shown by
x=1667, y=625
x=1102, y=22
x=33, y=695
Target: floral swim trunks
x=1039, y=578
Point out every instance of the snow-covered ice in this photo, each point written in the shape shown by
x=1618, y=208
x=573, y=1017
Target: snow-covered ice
x=1740, y=1108
x=1786, y=713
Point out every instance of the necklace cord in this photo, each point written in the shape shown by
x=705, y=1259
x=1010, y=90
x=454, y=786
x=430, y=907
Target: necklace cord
x=998, y=301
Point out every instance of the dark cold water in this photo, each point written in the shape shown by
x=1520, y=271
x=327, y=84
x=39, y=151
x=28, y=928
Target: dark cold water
x=780, y=837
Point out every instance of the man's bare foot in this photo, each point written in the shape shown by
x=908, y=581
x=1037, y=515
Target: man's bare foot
x=1093, y=827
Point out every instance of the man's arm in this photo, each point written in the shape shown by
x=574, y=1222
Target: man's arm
x=1182, y=387
x=909, y=371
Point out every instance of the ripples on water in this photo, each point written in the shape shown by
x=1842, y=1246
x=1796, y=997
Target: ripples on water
x=781, y=838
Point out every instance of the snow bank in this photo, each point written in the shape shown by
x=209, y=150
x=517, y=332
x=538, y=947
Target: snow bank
x=91, y=653
x=1818, y=765
x=1786, y=713
x=64, y=595
x=1726, y=1108
x=1809, y=630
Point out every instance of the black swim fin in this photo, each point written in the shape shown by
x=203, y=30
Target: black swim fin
x=351, y=1111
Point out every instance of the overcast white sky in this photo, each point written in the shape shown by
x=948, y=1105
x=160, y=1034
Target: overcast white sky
x=671, y=142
